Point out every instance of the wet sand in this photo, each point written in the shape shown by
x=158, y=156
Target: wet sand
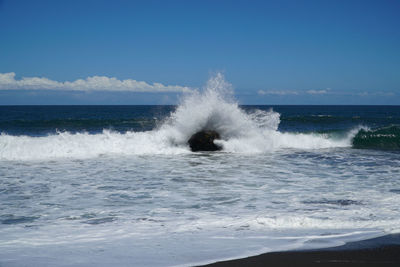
x=381, y=251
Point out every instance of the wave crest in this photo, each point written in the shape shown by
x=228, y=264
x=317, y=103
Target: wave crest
x=385, y=138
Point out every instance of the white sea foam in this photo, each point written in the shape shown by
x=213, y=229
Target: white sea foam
x=213, y=108
x=85, y=145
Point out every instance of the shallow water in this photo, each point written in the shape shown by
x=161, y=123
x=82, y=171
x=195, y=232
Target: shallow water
x=185, y=209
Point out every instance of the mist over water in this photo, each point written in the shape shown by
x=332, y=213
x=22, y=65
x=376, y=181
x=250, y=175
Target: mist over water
x=137, y=196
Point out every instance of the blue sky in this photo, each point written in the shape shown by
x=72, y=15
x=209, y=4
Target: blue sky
x=150, y=52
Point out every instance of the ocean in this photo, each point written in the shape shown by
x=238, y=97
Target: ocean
x=118, y=185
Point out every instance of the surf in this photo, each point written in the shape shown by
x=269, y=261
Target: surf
x=212, y=108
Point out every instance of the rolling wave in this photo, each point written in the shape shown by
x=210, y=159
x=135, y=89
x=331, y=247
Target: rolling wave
x=384, y=138
x=41, y=127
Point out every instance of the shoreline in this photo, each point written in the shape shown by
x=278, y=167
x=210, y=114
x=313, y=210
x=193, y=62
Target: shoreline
x=380, y=251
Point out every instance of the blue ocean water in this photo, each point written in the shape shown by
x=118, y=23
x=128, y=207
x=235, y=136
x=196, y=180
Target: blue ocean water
x=45, y=120
x=103, y=185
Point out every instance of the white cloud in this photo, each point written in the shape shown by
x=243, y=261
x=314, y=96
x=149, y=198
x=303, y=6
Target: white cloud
x=277, y=92
x=293, y=92
x=318, y=92
x=377, y=93
x=94, y=83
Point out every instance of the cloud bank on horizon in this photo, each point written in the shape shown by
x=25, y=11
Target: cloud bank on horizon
x=8, y=82
x=322, y=92
x=93, y=83
x=293, y=92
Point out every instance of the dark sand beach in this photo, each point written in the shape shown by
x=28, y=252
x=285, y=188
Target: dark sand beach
x=381, y=251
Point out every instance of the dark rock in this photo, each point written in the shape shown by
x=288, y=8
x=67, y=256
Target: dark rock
x=204, y=141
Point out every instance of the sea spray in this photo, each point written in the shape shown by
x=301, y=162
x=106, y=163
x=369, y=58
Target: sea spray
x=214, y=109
x=251, y=132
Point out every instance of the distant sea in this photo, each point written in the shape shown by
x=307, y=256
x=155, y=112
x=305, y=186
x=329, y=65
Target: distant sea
x=103, y=185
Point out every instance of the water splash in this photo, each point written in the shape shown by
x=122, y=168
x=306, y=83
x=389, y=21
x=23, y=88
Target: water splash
x=253, y=132
x=215, y=109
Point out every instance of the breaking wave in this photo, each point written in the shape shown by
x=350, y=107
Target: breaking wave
x=213, y=108
x=385, y=138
